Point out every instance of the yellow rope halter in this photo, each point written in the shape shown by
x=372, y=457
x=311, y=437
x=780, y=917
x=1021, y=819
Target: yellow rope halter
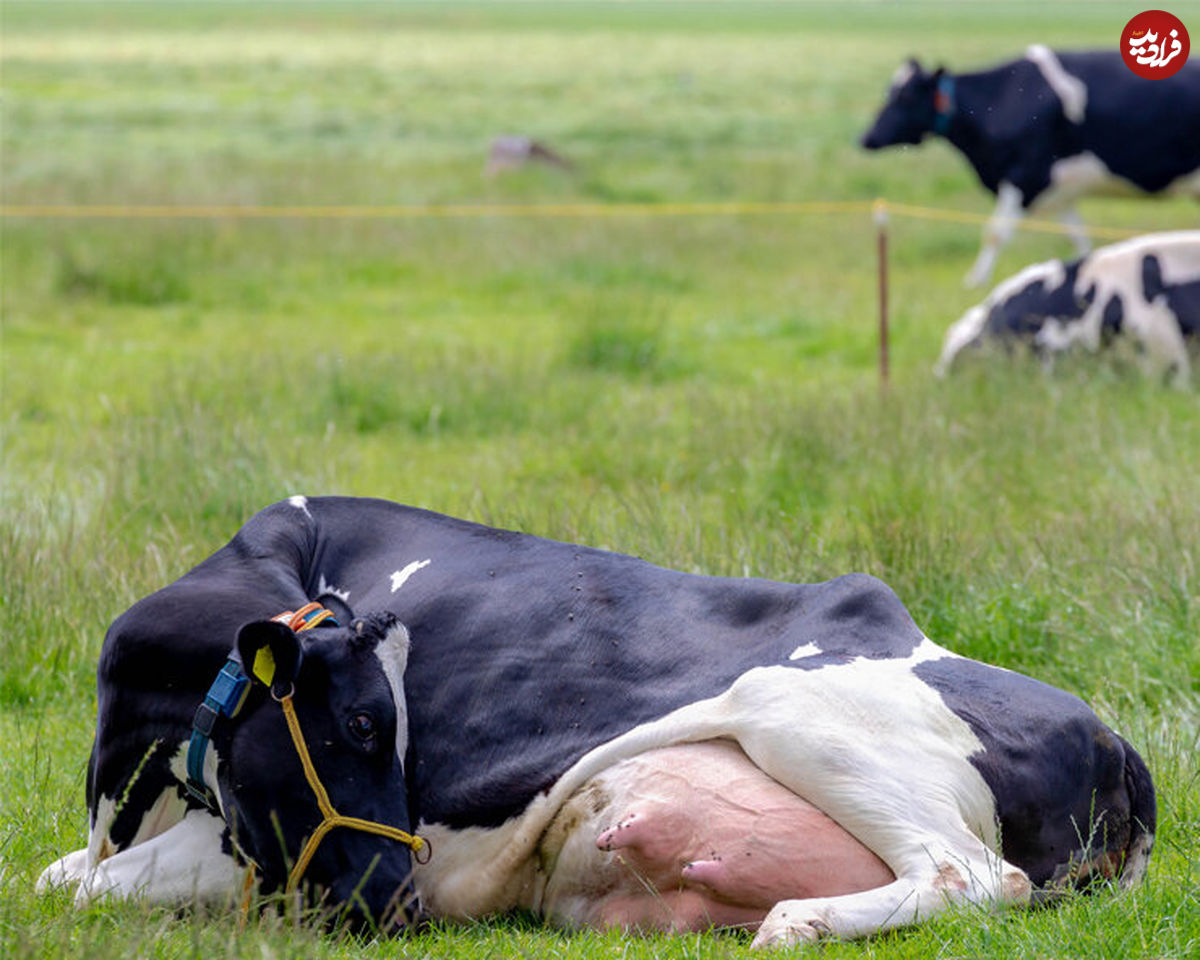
x=306, y=618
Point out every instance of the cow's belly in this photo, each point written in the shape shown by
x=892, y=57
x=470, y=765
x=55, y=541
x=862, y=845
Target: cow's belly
x=691, y=836
x=1079, y=175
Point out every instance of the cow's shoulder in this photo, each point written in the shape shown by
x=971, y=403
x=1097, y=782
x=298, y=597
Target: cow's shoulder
x=1010, y=102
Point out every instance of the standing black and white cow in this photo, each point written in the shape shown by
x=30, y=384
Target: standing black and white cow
x=1145, y=292
x=594, y=738
x=1048, y=128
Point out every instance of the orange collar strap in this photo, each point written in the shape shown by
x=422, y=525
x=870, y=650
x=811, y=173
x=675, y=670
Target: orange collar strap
x=307, y=617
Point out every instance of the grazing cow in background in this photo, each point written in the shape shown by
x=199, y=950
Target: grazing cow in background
x=1048, y=128
x=1144, y=291
x=589, y=736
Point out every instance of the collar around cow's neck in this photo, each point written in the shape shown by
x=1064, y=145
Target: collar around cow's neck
x=225, y=698
x=943, y=104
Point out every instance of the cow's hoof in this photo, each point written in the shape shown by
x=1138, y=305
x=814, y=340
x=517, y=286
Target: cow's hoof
x=67, y=872
x=784, y=928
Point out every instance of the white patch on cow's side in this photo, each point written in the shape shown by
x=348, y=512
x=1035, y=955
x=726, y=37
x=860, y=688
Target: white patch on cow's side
x=400, y=577
x=1070, y=90
x=1078, y=175
x=325, y=587
x=1178, y=252
x=805, y=650
x=392, y=652
x=183, y=864
x=867, y=742
x=300, y=503
x=1116, y=271
x=996, y=233
x=928, y=650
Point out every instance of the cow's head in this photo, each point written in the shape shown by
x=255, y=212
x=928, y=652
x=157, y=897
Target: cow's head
x=345, y=687
x=911, y=110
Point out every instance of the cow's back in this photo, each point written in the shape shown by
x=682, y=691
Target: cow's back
x=1150, y=128
x=527, y=653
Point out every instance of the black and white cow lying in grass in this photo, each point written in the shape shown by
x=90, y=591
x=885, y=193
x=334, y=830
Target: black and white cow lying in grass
x=1046, y=129
x=582, y=734
x=1143, y=292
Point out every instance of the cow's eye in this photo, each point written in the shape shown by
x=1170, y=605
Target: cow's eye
x=362, y=725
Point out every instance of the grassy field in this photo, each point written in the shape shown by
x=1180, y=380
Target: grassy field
x=697, y=390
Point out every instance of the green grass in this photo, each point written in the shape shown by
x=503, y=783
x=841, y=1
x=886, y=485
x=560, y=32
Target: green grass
x=696, y=390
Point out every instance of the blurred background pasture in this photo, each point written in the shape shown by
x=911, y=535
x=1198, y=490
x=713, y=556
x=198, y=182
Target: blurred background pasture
x=699, y=390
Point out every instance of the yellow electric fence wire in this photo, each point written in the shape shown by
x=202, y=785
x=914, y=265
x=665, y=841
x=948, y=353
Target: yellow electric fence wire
x=1034, y=226
x=519, y=210
x=418, y=212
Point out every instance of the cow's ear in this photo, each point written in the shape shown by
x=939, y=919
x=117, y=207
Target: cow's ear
x=938, y=74
x=270, y=653
x=917, y=69
x=368, y=630
x=338, y=607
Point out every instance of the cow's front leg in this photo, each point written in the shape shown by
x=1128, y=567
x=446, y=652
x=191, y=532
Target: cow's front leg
x=186, y=863
x=1164, y=352
x=68, y=871
x=949, y=880
x=996, y=233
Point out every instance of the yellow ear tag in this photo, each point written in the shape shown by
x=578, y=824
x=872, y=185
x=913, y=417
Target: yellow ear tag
x=264, y=665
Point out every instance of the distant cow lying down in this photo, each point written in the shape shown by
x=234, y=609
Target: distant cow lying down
x=580, y=734
x=1144, y=292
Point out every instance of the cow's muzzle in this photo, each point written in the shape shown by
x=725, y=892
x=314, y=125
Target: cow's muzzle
x=420, y=847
